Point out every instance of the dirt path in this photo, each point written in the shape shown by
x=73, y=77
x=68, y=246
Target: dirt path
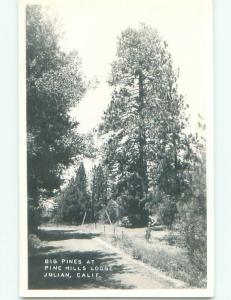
x=117, y=270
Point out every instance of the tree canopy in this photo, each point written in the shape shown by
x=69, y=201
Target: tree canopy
x=55, y=84
x=144, y=123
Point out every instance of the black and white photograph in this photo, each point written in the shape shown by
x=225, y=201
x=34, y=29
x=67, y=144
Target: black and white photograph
x=116, y=150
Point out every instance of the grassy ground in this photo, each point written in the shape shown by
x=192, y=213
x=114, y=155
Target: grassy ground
x=162, y=251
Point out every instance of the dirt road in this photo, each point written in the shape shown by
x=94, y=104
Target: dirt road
x=82, y=260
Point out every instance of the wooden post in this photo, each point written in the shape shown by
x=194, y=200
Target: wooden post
x=108, y=217
x=84, y=217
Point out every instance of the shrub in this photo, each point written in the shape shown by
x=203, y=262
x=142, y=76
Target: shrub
x=167, y=210
x=34, y=244
x=34, y=216
x=193, y=230
x=126, y=222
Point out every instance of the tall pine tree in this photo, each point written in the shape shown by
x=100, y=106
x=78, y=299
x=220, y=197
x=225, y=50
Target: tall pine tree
x=143, y=126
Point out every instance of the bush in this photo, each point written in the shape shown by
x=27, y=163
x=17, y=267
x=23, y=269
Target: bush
x=194, y=234
x=126, y=222
x=162, y=206
x=34, y=216
x=172, y=238
x=137, y=220
x=167, y=211
x=34, y=244
x=193, y=231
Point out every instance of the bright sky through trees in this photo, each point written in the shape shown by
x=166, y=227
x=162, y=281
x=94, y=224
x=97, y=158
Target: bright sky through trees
x=93, y=28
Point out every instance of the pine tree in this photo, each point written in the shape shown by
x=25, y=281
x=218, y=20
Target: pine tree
x=54, y=84
x=143, y=126
x=74, y=201
x=98, y=192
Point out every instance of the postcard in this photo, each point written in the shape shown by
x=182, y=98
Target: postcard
x=116, y=148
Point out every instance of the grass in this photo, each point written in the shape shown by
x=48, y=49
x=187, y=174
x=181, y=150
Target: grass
x=162, y=252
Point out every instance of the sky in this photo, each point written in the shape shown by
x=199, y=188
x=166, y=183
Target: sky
x=92, y=26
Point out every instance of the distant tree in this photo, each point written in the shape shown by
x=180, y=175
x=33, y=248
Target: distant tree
x=81, y=179
x=54, y=85
x=98, y=192
x=74, y=201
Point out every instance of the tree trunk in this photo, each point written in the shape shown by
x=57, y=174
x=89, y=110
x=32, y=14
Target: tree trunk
x=142, y=160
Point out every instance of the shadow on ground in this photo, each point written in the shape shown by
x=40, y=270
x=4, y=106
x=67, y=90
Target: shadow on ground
x=106, y=278
x=59, y=234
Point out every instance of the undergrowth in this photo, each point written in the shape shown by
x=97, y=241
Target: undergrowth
x=175, y=265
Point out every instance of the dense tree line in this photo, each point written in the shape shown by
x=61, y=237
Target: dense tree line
x=54, y=84
x=73, y=203
x=147, y=161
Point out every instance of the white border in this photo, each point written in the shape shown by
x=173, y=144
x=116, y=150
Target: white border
x=138, y=293
x=23, y=258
